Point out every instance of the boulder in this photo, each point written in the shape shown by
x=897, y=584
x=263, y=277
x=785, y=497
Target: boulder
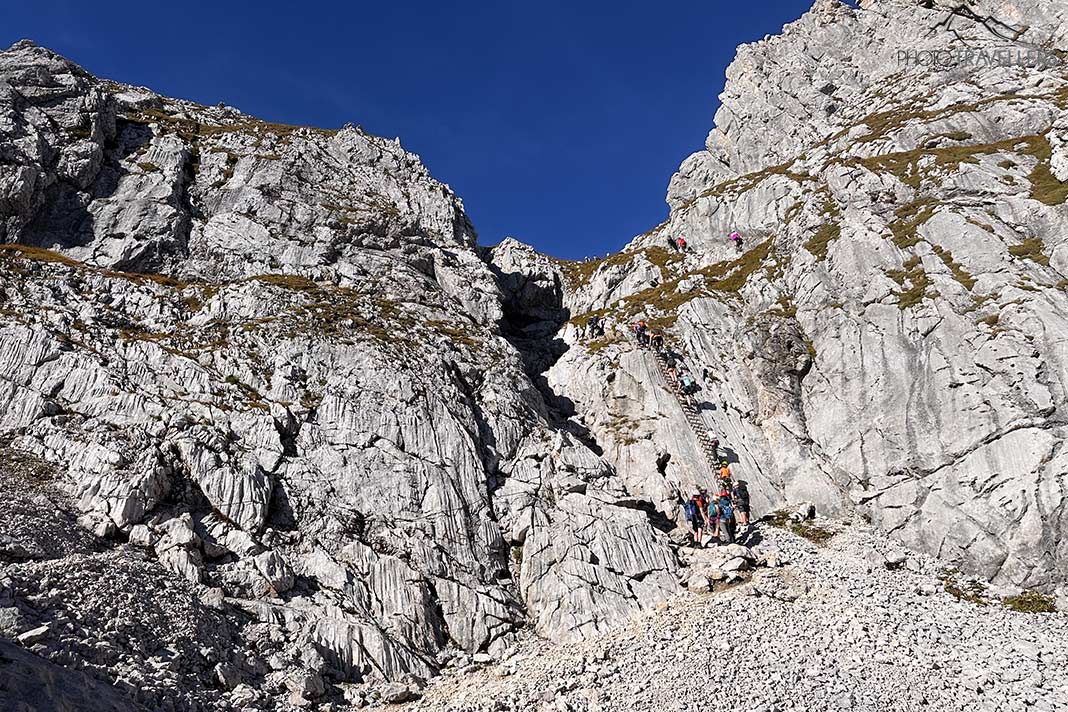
x=276, y=570
x=395, y=693
x=698, y=583
x=34, y=635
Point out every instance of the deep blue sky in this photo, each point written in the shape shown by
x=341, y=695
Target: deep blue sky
x=557, y=122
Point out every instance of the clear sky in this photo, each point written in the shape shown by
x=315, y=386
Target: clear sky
x=559, y=123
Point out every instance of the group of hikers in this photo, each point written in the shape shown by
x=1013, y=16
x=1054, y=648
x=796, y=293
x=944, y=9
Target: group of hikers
x=680, y=377
x=653, y=338
x=716, y=517
x=680, y=245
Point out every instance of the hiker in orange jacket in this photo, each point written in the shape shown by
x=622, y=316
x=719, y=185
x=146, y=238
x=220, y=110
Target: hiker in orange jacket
x=725, y=474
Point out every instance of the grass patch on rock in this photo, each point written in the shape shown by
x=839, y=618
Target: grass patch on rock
x=821, y=241
x=1031, y=602
x=38, y=254
x=1045, y=187
x=578, y=274
x=813, y=532
x=968, y=591
x=913, y=280
x=1030, y=249
x=959, y=273
x=909, y=218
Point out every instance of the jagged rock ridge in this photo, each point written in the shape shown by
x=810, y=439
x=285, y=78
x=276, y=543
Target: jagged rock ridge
x=272, y=358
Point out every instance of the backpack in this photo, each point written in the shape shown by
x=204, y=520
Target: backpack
x=725, y=508
x=741, y=493
x=690, y=509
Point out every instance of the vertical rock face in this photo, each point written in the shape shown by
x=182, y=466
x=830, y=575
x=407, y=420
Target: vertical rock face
x=890, y=337
x=273, y=357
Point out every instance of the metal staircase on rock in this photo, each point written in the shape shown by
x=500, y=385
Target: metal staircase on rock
x=693, y=417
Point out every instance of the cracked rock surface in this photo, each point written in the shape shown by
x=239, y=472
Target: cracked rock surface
x=890, y=337
x=277, y=434
x=264, y=369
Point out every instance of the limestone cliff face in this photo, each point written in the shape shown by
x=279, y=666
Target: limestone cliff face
x=891, y=340
x=322, y=440
x=273, y=358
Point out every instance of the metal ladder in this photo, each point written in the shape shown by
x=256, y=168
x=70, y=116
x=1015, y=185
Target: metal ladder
x=693, y=417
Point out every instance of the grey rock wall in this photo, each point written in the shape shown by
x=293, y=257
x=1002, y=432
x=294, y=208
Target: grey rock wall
x=889, y=342
x=273, y=359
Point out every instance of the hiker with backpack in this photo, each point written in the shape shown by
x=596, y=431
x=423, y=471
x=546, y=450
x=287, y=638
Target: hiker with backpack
x=687, y=387
x=726, y=517
x=656, y=340
x=682, y=244
x=725, y=474
x=736, y=239
x=740, y=494
x=595, y=326
x=715, y=448
x=711, y=521
x=696, y=513
x=673, y=244
x=641, y=330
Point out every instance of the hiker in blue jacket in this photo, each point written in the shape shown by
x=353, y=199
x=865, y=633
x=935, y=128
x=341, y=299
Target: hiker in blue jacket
x=726, y=517
x=695, y=510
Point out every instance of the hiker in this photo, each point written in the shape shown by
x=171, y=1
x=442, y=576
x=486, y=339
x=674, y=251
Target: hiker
x=726, y=517
x=715, y=448
x=740, y=495
x=656, y=340
x=725, y=472
x=711, y=520
x=687, y=386
x=737, y=240
x=694, y=509
x=641, y=331
x=682, y=244
x=673, y=244
x=672, y=369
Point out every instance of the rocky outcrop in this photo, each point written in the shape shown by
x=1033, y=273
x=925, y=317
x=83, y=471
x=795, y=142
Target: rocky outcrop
x=273, y=359
x=887, y=340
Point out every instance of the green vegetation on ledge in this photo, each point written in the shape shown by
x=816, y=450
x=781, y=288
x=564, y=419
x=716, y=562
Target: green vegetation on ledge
x=914, y=283
x=812, y=532
x=959, y=273
x=1030, y=249
x=828, y=232
x=909, y=218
